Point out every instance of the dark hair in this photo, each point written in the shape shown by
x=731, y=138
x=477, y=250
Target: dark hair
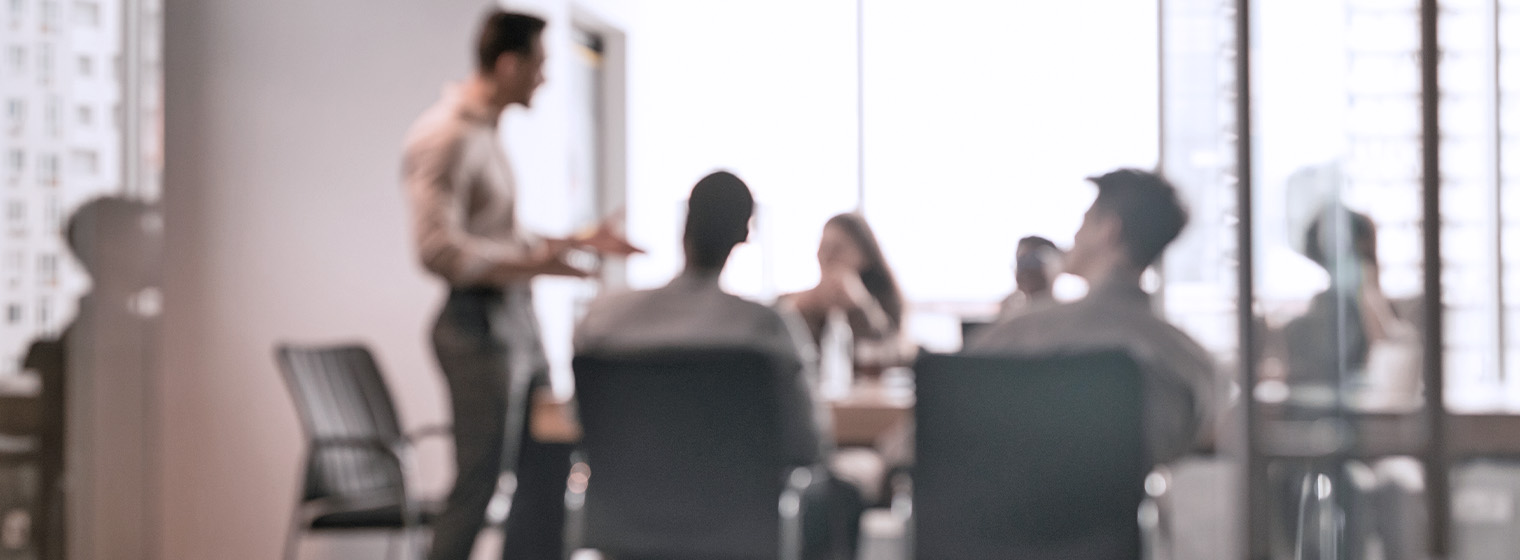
x=876, y=275
x=1027, y=257
x=503, y=32
x=100, y=225
x=717, y=218
x=1322, y=249
x=1034, y=242
x=1150, y=214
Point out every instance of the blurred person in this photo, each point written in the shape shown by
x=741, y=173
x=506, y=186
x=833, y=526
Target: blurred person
x=1332, y=344
x=1135, y=216
x=854, y=278
x=1037, y=263
x=463, y=199
x=693, y=311
x=86, y=371
x=1350, y=349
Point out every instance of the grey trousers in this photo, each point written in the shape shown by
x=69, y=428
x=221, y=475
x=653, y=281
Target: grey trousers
x=488, y=348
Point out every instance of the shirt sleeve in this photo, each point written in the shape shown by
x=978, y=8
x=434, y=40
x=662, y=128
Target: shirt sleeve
x=436, y=174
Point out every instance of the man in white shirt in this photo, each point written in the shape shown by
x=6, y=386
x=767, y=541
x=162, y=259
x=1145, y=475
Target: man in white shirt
x=1136, y=215
x=463, y=200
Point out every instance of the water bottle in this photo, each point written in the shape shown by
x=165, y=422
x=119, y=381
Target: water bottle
x=836, y=348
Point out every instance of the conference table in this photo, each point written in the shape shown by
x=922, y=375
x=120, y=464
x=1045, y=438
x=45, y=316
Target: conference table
x=863, y=414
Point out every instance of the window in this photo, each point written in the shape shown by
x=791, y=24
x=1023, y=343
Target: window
x=53, y=218
x=87, y=14
x=49, y=15
x=15, y=162
x=47, y=270
x=86, y=66
x=45, y=63
x=15, y=112
x=13, y=313
x=15, y=212
x=52, y=117
x=47, y=170
x=18, y=9
x=86, y=162
x=16, y=58
x=13, y=264
x=85, y=115
x=44, y=312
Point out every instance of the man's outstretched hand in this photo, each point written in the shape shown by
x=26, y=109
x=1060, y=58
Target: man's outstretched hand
x=606, y=240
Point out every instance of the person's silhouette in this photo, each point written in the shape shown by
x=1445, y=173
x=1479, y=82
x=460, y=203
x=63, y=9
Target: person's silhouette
x=89, y=372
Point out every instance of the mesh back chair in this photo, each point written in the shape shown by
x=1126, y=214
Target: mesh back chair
x=1033, y=458
x=357, y=458
x=685, y=458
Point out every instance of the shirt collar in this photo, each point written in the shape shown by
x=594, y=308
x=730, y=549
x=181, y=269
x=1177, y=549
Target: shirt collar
x=698, y=278
x=477, y=113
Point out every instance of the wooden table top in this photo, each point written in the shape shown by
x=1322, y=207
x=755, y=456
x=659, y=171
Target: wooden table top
x=859, y=418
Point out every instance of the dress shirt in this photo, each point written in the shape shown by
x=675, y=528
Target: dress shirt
x=693, y=312
x=463, y=194
x=463, y=199
x=1177, y=374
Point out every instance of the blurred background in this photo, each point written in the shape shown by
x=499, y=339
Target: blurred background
x=267, y=137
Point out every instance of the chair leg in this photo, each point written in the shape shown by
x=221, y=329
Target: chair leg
x=575, y=505
x=390, y=545
x=292, y=542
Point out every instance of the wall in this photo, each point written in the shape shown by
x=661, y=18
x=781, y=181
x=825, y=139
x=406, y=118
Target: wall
x=285, y=220
x=285, y=223
x=285, y=217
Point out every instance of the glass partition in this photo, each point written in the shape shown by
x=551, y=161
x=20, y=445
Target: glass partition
x=1337, y=201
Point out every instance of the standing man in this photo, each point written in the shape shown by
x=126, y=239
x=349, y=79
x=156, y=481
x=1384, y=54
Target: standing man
x=463, y=200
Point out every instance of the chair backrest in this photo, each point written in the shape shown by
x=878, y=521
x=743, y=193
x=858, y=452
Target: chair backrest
x=684, y=448
x=340, y=394
x=1037, y=458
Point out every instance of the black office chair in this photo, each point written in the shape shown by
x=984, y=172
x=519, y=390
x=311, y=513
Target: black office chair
x=1031, y=458
x=357, y=458
x=685, y=458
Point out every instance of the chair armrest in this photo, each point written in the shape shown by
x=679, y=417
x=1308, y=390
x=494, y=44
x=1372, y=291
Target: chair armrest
x=389, y=448
x=396, y=451
x=429, y=431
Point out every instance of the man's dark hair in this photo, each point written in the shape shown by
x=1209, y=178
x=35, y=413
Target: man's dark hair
x=1150, y=214
x=1323, y=246
x=1030, y=243
x=103, y=225
x=503, y=32
x=1029, y=257
x=717, y=218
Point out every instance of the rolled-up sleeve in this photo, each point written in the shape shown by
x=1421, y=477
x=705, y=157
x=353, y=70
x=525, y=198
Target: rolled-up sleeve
x=436, y=175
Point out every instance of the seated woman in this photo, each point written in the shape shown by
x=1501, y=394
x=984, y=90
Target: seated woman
x=855, y=279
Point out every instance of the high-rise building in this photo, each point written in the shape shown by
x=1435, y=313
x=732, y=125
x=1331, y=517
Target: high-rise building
x=61, y=84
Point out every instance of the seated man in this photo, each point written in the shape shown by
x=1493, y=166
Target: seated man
x=1135, y=216
x=693, y=311
x=1037, y=263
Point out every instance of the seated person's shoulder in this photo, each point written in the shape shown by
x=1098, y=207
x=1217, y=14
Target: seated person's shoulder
x=1019, y=332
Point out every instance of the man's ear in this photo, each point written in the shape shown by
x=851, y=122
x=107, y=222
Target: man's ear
x=1109, y=228
x=507, y=64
